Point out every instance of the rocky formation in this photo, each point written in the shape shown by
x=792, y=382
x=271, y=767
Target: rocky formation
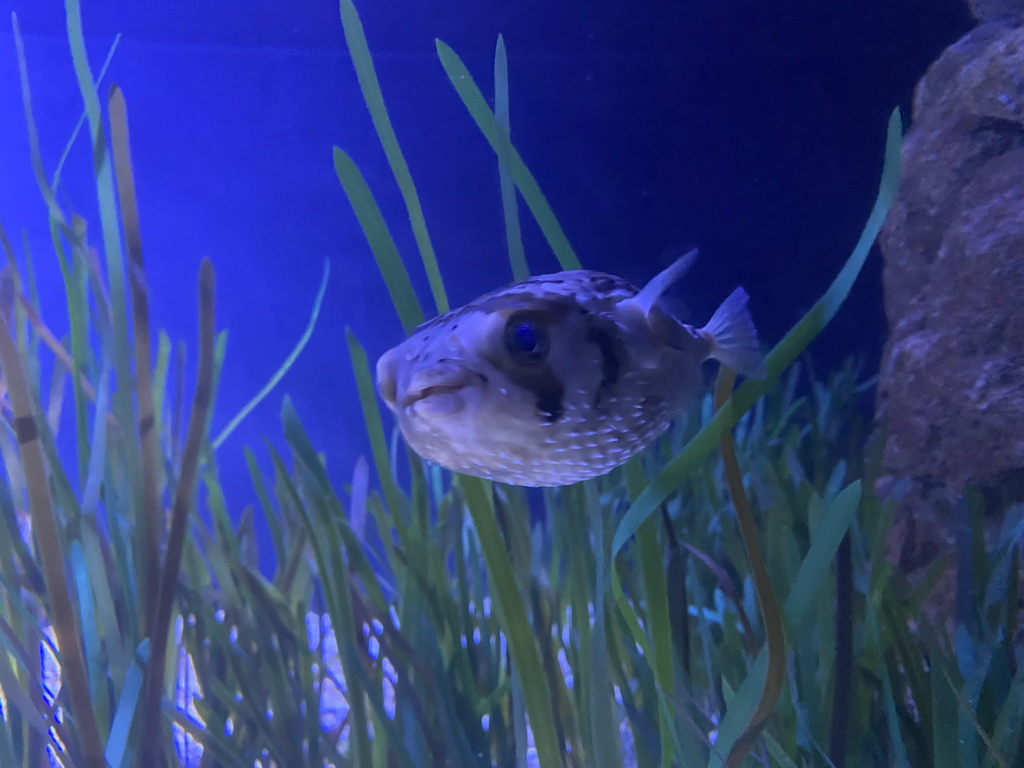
x=996, y=10
x=951, y=393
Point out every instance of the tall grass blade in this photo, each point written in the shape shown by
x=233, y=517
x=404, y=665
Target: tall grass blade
x=385, y=252
x=359, y=50
x=813, y=571
x=945, y=720
x=47, y=531
x=335, y=583
x=26, y=698
x=775, y=641
x=123, y=407
x=784, y=353
x=33, y=133
x=117, y=744
x=184, y=500
x=509, y=203
x=512, y=612
x=374, y=425
x=1006, y=737
x=843, y=688
x=603, y=727
x=649, y=553
x=90, y=637
x=151, y=521
x=281, y=372
x=498, y=138
x=55, y=183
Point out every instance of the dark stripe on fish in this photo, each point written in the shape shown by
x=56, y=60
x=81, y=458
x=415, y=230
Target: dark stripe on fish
x=601, y=333
x=551, y=404
x=547, y=389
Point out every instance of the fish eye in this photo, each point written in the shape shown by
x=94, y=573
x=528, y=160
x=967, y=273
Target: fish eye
x=526, y=341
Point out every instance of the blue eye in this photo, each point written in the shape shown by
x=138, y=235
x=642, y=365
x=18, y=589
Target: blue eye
x=527, y=342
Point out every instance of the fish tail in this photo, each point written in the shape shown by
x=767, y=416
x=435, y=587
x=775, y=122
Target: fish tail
x=733, y=336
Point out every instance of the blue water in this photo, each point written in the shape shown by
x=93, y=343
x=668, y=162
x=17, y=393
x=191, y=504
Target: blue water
x=750, y=130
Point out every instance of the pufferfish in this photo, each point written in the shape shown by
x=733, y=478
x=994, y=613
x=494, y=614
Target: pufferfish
x=558, y=378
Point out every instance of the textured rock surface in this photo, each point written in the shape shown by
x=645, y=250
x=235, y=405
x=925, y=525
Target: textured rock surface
x=993, y=10
x=951, y=391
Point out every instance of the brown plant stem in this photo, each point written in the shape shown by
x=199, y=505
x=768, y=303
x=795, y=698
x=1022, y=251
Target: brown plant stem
x=184, y=498
x=47, y=533
x=151, y=520
x=770, y=615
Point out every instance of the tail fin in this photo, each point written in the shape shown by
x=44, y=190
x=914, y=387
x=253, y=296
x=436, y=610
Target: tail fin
x=733, y=336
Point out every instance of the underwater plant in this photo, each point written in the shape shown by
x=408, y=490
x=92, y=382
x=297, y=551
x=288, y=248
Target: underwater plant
x=417, y=618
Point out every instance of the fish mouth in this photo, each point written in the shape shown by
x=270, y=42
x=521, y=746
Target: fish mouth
x=439, y=384
x=426, y=393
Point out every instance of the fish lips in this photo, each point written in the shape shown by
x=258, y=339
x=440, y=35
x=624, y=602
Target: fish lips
x=439, y=389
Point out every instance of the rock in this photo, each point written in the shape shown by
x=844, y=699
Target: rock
x=951, y=387
x=996, y=10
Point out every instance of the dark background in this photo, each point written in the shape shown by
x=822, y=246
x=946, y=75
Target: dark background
x=753, y=130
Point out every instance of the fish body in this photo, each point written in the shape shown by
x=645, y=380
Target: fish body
x=558, y=378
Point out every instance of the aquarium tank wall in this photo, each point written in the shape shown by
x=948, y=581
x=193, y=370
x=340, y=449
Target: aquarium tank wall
x=494, y=385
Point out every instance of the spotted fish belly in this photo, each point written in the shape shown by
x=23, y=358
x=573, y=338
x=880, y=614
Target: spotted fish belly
x=586, y=441
x=582, y=458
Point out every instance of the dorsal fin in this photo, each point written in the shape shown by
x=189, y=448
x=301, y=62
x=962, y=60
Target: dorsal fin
x=658, y=284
